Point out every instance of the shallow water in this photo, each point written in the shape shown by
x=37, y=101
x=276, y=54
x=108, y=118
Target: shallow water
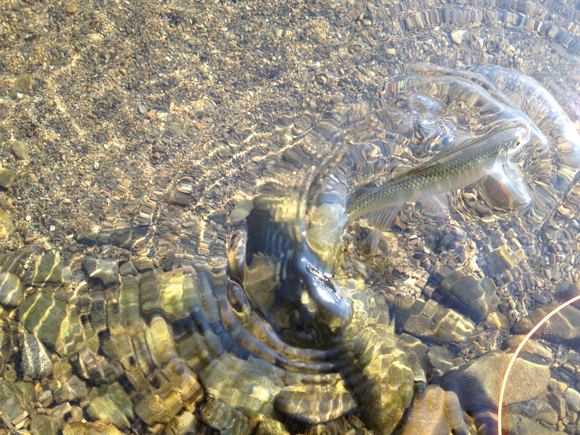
x=175, y=256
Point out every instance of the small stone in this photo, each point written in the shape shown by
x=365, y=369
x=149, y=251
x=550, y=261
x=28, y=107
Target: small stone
x=112, y=406
x=6, y=178
x=70, y=8
x=72, y=390
x=60, y=411
x=76, y=415
x=75, y=428
x=35, y=359
x=48, y=269
x=6, y=225
x=498, y=320
x=532, y=346
x=20, y=150
x=558, y=402
x=518, y=425
x=11, y=400
x=573, y=399
x=184, y=423
x=470, y=296
x=104, y=270
x=22, y=85
x=44, y=425
x=241, y=211
x=557, y=386
x=11, y=290
x=499, y=260
x=441, y=360
x=42, y=315
x=5, y=341
x=551, y=418
x=457, y=36
x=432, y=321
x=436, y=411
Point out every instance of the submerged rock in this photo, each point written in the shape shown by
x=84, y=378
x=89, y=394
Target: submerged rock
x=11, y=289
x=473, y=297
x=478, y=382
x=433, y=322
x=111, y=405
x=435, y=411
x=519, y=425
x=36, y=361
x=564, y=326
x=72, y=390
x=5, y=341
x=12, y=401
x=42, y=316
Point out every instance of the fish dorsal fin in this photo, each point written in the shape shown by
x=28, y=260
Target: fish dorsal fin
x=382, y=218
x=408, y=172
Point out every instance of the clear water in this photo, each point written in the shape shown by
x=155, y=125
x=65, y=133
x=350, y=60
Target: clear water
x=183, y=260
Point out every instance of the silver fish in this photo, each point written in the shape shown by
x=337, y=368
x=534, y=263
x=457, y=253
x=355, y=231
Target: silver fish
x=451, y=169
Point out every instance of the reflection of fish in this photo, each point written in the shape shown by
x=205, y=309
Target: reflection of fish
x=452, y=169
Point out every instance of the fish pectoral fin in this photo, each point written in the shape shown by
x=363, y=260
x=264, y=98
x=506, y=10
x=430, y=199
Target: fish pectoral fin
x=436, y=206
x=382, y=218
x=374, y=238
x=510, y=178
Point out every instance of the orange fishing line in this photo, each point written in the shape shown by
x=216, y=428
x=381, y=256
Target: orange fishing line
x=513, y=360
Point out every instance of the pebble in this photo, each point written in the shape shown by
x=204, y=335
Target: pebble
x=499, y=260
x=73, y=389
x=20, y=150
x=6, y=177
x=6, y=225
x=11, y=290
x=558, y=403
x=35, y=359
x=71, y=8
x=186, y=422
x=498, y=320
x=457, y=36
x=44, y=425
x=436, y=411
x=5, y=341
x=10, y=399
x=518, y=425
x=112, y=406
x=441, y=360
x=96, y=428
x=532, y=346
x=22, y=85
x=437, y=323
x=42, y=315
x=573, y=399
x=470, y=296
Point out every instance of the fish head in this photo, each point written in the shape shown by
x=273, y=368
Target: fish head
x=517, y=134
